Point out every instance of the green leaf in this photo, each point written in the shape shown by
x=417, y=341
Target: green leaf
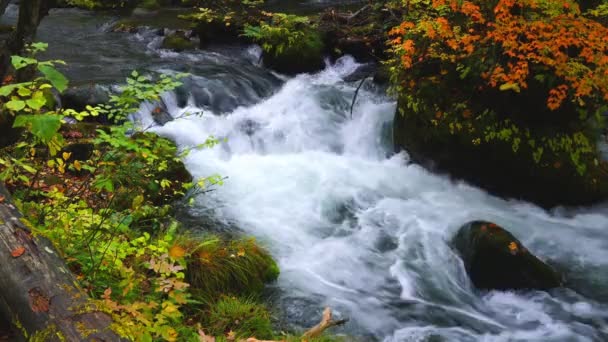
x=15, y=105
x=55, y=77
x=8, y=89
x=22, y=91
x=36, y=103
x=19, y=62
x=43, y=127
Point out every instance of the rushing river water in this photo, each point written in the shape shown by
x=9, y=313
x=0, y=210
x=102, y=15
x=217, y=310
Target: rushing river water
x=353, y=225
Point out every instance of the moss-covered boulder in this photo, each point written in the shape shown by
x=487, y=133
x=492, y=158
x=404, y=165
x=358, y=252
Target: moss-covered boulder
x=295, y=60
x=177, y=41
x=495, y=260
x=218, y=266
x=494, y=165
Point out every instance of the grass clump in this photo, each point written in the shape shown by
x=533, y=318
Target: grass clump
x=227, y=267
x=241, y=318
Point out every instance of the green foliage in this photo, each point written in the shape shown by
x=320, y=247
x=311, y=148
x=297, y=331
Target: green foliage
x=241, y=318
x=102, y=4
x=139, y=88
x=286, y=34
x=32, y=102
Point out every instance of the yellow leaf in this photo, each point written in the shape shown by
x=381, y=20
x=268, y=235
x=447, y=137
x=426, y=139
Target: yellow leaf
x=510, y=86
x=513, y=247
x=66, y=155
x=77, y=165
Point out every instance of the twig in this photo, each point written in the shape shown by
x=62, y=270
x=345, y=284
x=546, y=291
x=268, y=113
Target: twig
x=352, y=105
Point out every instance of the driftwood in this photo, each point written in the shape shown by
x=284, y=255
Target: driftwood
x=326, y=323
x=38, y=294
x=314, y=332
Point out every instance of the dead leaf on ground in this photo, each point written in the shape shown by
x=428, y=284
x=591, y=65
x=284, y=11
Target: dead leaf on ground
x=17, y=252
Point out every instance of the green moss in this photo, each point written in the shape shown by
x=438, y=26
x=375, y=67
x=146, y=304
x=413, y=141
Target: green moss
x=216, y=266
x=149, y=4
x=50, y=333
x=291, y=43
x=177, y=42
x=242, y=316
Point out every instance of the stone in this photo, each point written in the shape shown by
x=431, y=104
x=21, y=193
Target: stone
x=177, y=41
x=495, y=260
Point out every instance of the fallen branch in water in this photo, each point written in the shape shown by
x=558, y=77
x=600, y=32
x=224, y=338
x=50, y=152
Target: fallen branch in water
x=316, y=331
x=326, y=323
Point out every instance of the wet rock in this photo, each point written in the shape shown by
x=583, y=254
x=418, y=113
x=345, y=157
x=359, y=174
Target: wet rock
x=79, y=97
x=78, y=151
x=177, y=41
x=161, y=115
x=493, y=165
x=496, y=260
x=249, y=126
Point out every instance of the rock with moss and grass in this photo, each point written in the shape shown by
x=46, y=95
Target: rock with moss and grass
x=218, y=266
x=177, y=41
x=495, y=260
x=291, y=44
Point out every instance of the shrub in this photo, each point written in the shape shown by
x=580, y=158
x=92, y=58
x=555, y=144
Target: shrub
x=530, y=73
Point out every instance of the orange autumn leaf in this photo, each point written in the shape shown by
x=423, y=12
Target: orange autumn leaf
x=2, y=199
x=513, y=248
x=17, y=252
x=177, y=252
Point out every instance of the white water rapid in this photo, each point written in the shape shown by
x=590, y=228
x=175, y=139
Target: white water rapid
x=359, y=229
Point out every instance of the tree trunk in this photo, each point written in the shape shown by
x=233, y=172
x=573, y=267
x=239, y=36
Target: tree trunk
x=38, y=294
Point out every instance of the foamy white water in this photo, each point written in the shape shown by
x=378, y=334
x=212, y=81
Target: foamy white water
x=359, y=229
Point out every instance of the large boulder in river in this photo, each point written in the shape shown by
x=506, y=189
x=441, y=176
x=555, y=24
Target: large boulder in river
x=493, y=165
x=496, y=260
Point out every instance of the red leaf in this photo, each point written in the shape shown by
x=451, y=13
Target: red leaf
x=2, y=198
x=38, y=301
x=17, y=252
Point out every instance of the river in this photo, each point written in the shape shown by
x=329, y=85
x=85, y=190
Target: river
x=352, y=224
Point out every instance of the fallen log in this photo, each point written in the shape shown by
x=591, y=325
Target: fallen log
x=39, y=296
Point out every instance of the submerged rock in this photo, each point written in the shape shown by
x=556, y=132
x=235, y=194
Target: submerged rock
x=496, y=260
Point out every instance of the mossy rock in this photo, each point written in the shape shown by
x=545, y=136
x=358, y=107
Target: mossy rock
x=307, y=56
x=177, y=42
x=495, y=260
x=217, y=266
x=216, y=32
x=493, y=165
x=295, y=62
x=149, y=5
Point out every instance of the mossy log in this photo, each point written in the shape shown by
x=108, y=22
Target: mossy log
x=39, y=295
